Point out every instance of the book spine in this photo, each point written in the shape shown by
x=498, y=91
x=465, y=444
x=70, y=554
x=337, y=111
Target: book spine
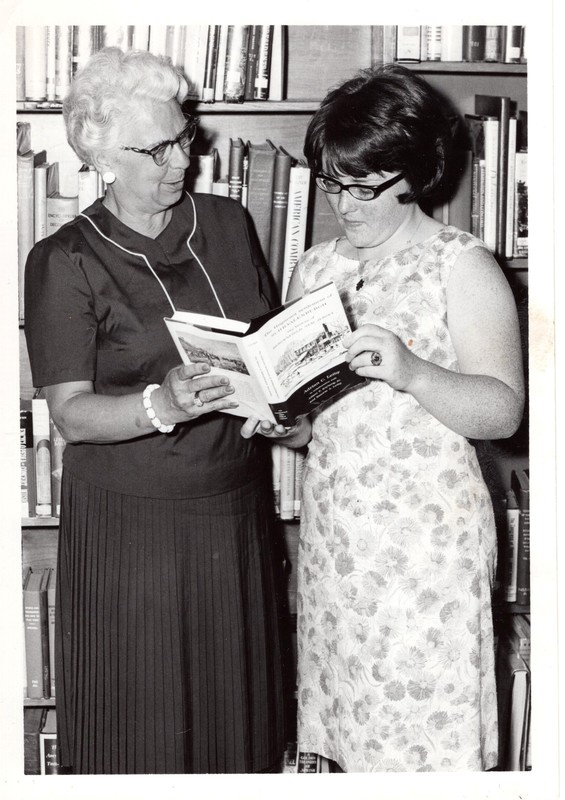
x=140, y=37
x=63, y=60
x=288, y=463
x=493, y=40
x=476, y=190
x=263, y=73
x=42, y=451
x=408, y=39
x=36, y=62
x=295, y=237
x=308, y=762
x=260, y=191
x=511, y=46
x=252, y=58
x=211, y=66
x=50, y=62
x=279, y=211
x=298, y=472
x=276, y=476
x=452, y=43
x=221, y=70
x=33, y=721
x=277, y=89
x=51, y=627
x=433, y=42
x=491, y=183
x=87, y=187
x=25, y=220
x=236, y=63
x=523, y=566
x=35, y=629
x=40, y=202
x=57, y=449
x=20, y=64
x=60, y=210
x=510, y=187
x=235, y=169
x=27, y=460
x=389, y=44
x=158, y=40
x=474, y=37
x=521, y=205
x=512, y=525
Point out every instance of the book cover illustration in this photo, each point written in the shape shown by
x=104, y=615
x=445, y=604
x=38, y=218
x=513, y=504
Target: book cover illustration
x=282, y=364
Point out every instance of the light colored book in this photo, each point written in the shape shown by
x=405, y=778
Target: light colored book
x=287, y=471
x=35, y=53
x=60, y=210
x=296, y=220
x=452, y=43
x=45, y=183
x=88, y=186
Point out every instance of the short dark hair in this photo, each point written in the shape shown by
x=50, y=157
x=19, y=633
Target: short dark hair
x=385, y=119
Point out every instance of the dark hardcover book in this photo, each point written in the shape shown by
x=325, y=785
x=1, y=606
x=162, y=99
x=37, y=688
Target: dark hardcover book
x=279, y=210
x=211, y=64
x=261, y=89
x=27, y=460
x=33, y=723
x=252, y=59
x=36, y=633
x=235, y=168
x=307, y=762
x=474, y=40
x=236, y=63
x=260, y=189
x=501, y=108
x=520, y=484
x=48, y=748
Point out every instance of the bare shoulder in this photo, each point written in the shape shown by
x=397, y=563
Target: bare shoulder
x=476, y=273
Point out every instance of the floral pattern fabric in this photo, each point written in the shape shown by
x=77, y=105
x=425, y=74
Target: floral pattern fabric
x=397, y=546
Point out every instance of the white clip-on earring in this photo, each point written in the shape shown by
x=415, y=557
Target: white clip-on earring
x=108, y=177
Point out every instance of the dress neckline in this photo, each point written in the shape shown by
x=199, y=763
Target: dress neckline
x=390, y=255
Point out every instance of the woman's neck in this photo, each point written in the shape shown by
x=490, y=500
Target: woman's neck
x=148, y=224
x=414, y=228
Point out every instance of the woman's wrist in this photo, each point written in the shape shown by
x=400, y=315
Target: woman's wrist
x=149, y=398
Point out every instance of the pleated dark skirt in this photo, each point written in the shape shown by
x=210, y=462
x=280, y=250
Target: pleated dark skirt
x=167, y=648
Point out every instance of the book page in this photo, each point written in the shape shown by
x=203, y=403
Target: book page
x=223, y=353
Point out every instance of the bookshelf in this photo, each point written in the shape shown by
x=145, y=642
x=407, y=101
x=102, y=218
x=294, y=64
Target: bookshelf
x=318, y=58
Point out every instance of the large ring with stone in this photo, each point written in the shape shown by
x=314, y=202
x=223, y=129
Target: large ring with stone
x=376, y=359
x=197, y=401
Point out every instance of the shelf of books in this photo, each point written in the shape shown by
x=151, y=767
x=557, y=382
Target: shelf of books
x=254, y=89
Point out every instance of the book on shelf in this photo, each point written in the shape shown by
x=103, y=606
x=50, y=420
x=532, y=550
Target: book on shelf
x=261, y=86
x=35, y=55
x=511, y=546
x=287, y=482
x=36, y=634
x=520, y=483
x=289, y=759
x=252, y=58
x=261, y=173
x=48, y=749
x=277, y=86
x=279, y=212
x=27, y=461
x=140, y=37
x=511, y=45
x=521, y=204
x=45, y=183
x=483, y=132
x=235, y=168
x=158, y=40
x=42, y=453
x=85, y=42
x=451, y=43
x=299, y=457
x=221, y=68
x=276, y=476
x=201, y=172
x=195, y=48
x=57, y=444
x=282, y=364
x=60, y=210
x=211, y=63
x=89, y=185
x=26, y=163
x=474, y=40
x=296, y=221
x=236, y=63
x=408, y=43
x=513, y=696
x=34, y=718
x=50, y=62
x=20, y=64
x=519, y=634
x=430, y=47
x=493, y=42
x=51, y=587
x=63, y=60
x=500, y=108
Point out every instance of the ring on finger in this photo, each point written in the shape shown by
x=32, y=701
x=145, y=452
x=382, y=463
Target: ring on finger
x=376, y=359
x=197, y=401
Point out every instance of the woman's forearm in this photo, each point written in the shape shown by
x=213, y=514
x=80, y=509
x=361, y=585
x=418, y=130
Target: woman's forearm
x=475, y=406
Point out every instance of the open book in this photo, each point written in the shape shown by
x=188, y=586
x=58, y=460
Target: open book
x=282, y=364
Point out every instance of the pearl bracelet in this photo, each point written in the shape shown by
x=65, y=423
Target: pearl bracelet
x=150, y=411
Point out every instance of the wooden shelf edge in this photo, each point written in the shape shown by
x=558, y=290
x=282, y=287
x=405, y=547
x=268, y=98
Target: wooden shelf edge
x=42, y=701
x=40, y=522
x=247, y=107
x=471, y=67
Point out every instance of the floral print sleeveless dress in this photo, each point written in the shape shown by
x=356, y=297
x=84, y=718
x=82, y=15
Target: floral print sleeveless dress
x=397, y=546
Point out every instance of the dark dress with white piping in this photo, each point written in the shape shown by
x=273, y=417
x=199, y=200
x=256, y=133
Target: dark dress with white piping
x=167, y=655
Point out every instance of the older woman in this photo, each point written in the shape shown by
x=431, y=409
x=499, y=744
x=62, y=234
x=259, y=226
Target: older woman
x=167, y=654
x=397, y=538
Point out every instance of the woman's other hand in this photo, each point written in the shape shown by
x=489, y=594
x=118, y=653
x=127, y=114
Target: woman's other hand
x=375, y=352
x=190, y=391
x=294, y=437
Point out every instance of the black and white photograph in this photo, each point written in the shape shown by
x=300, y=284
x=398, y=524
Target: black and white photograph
x=198, y=597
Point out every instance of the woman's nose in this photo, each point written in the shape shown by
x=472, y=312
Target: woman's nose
x=345, y=201
x=180, y=157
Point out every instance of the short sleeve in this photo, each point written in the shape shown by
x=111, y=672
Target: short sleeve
x=60, y=324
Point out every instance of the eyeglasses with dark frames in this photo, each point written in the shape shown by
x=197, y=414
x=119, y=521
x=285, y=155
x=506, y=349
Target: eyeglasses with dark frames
x=162, y=152
x=359, y=191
